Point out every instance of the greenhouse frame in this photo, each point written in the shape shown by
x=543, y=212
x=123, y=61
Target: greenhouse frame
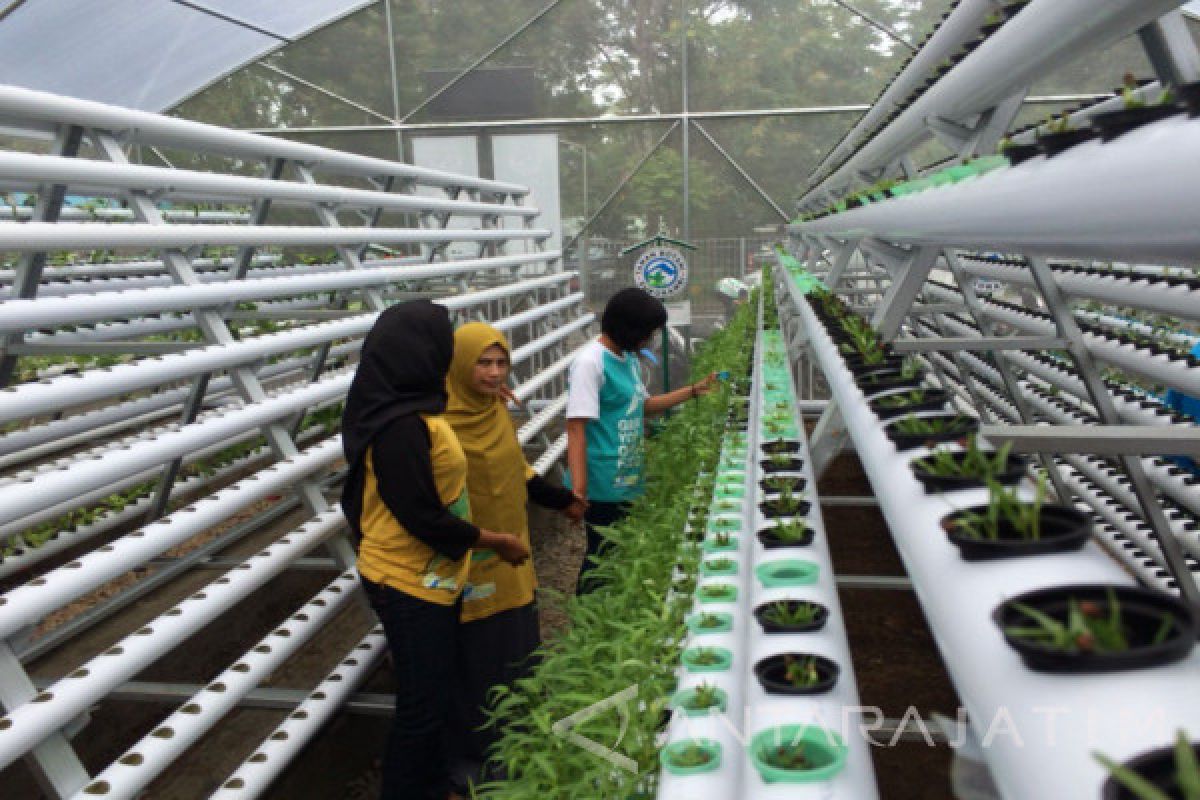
x=936, y=533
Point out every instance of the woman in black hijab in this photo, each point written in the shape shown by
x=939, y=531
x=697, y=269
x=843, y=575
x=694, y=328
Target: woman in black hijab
x=406, y=503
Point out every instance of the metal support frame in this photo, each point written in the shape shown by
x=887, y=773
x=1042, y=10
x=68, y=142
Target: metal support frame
x=1085, y=366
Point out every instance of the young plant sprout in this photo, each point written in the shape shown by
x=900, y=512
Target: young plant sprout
x=705, y=696
x=787, y=756
x=719, y=565
x=709, y=621
x=1060, y=124
x=974, y=462
x=923, y=426
x=787, y=502
x=901, y=400
x=692, y=755
x=706, y=657
x=1005, y=512
x=1089, y=627
x=801, y=672
x=723, y=539
x=727, y=505
x=781, y=460
x=911, y=368
x=788, y=615
x=1187, y=774
x=790, y=531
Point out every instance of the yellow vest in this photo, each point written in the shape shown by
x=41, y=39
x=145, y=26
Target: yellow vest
x=389, y=554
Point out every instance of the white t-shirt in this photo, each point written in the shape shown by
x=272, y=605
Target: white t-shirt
x=585, y=377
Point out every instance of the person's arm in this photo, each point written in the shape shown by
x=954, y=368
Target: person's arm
x=404, y=477
x=577, y=454
x=661, y=402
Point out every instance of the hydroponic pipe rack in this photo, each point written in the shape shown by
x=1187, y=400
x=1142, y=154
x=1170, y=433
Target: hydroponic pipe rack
x=772, y=446
x=1039, y=730
x=192, y=387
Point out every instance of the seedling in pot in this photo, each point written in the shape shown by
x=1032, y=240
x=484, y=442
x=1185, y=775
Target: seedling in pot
x=704, y=697
x=777, y=483
x=1006, y=513
x=790, y=531
x=691, y=756
x=711, y=622
x=801, y=673
x=1169, y=774
x=787, y=756
x=973, y=462
x=1088, y=628
x=706, y=657
x=925, y=426
x=792, y=615
x=786, y=504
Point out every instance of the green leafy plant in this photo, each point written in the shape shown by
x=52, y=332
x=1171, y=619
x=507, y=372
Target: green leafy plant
x=972, y=462
x=720, y=564
x=791, y=615
x=1006, y=512
x=709, y=621
x=1187, y=773
x=705, y=696
x=787, y=756
x=901, y=400
x=801, y=672
x=706, y=657
x=790, y=531
x=722, y=539
x=1090, y=627
x=924, y=426
x=691, y=755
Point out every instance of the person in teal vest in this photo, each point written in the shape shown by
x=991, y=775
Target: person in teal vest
x=607, y=404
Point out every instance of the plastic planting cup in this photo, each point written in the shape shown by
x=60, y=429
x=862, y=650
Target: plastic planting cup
x=714, y=568
x=718, y=524
x=711, y=545
x=787, y=572
x=717, y=593
x=722, y=622
x=694, y=659
x=672, y=751
x=729, y=490
x=824, y=751
x=684, y=698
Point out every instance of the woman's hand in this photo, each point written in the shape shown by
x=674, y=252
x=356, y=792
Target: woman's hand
x=508, y=546
x=506, y=394
x=705, y=385
x=577, y=509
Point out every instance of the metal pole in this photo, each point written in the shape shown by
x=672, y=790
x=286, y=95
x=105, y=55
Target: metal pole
x=687, y=222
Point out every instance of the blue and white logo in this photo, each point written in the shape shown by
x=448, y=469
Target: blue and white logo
x=661, y=271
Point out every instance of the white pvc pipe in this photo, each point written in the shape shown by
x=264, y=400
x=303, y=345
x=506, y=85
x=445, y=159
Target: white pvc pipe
x=151, y=755
x=1135, y=208
x=40, y=237
x=87, y=176
x=139, y=126
x=26, y=604
x=31, y=399
x=287, y=741
x=42, y=312
x=24, y=727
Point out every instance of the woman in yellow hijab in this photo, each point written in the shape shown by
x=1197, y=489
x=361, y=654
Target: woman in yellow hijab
x=499, y=627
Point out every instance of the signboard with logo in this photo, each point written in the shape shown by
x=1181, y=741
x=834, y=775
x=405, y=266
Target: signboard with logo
x=661, y=271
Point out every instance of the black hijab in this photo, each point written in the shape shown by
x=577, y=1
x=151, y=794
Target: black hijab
x=402, y=370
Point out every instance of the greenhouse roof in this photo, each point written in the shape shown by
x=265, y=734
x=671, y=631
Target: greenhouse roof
x=149, y=54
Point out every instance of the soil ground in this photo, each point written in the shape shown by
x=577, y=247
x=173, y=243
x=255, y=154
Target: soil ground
x=895, y=661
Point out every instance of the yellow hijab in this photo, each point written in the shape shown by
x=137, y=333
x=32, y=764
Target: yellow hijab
x=480, y=420
x=496, y=475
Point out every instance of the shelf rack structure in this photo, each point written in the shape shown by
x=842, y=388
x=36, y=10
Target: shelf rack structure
x=1056, y=299
x=193, y=364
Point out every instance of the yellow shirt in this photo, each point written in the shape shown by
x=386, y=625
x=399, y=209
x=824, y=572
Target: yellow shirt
x=392, y=556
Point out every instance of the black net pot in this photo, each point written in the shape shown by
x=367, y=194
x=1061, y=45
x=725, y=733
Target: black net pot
x=771, y=671
x=818, y=621
x=1014, y=469
x=1063, y=530
x=770, y=467
x=771, y=542
x=1112, y=124
x=777, y=483
x=1054, y=143
x=931, y=400
x=1019, y=153
x=1156, y=767
x=960, y=426
x=774, y=509
x=878, y=382
x=1142, y=610
x=777, y=446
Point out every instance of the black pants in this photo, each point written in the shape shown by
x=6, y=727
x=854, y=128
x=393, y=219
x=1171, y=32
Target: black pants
x=599, y=514
x=493, y=651
x=422, y=638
